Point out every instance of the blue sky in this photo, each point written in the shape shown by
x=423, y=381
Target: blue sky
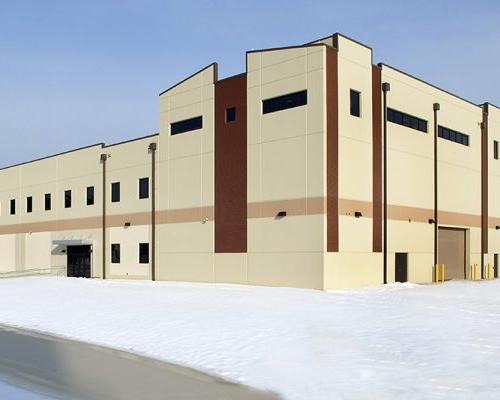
x=73, y=73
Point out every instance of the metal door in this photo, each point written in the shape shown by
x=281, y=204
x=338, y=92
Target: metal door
x=401, y=267
x=79, y=261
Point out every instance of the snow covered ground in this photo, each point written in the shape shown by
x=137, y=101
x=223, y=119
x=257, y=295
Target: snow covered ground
x=392, y=342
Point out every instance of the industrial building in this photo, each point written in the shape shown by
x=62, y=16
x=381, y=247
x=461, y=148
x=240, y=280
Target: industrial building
x=314, y=168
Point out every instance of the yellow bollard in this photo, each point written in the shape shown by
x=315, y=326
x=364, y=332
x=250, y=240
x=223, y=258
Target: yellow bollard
x=436, y=273
x=475, y=271
x=489, y=271
x=442, y=273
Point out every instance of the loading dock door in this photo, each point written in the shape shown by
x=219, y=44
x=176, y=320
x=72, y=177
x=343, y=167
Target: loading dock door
x=79, y=261
x=451, y=252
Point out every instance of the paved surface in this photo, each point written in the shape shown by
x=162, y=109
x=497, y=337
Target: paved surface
x=69, y=369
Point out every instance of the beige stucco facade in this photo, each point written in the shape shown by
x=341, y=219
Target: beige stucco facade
x=290, y=181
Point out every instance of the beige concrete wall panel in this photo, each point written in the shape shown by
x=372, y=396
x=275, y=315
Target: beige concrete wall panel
x=254, y=97
x=192, y=267
x=254, y=176
x=286, y=269
x=185, y=183
x=355, y=159
x=272, y=57
x=353, y=50
x=38, y=249
x=410, y=237
x=231, y=267
x=284, y=169
x=316, y=161
x=348, y=270
x=7, y=253
x=288, y=234
x=355, y=234
x=187, y=237
x=316, y=102
x=284, y=124
x=420, y=267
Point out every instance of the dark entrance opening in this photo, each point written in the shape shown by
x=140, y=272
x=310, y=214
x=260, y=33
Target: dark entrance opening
x=401, y=267
x=79, y=261
x=495, y=266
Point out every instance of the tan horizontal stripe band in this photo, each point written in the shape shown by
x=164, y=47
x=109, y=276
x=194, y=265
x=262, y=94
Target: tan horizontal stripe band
x=265, y=209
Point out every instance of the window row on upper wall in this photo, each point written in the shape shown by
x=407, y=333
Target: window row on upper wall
x=453, y=136
x=407, y=120
x=143, y=192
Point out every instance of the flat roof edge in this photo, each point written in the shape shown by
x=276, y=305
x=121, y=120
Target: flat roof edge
x=52, y=156
x=381, y=65
x=214, y=64
x=102, y=146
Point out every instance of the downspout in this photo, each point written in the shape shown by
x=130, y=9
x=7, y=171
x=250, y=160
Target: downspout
x=104, y=157
x=152, y=149
x=436, y=107
x=386, y=87
x=484, y=187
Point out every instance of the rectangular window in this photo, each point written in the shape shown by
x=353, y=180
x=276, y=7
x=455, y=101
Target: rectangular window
x=407, y=120
x=13, y=207
x=495, y=150
x=90, y=195
x=48, y=202
x=143, y=253
x=115, y=192
x=29, y=204
x=284, y=102
x=231, y=114
x=115, y=253
x=355, y=103
x=67, y=199
x=144, y=188
x=186, y=125
x=453, y=136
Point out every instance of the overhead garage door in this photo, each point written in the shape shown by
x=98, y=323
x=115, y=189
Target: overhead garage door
x=451, y=249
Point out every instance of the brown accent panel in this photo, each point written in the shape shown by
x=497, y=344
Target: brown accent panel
x=231, y=166
x=349, y=207
x=332, y=151
x=484, y=183
x=377, y=158
x=293, y=207
x=266, y=209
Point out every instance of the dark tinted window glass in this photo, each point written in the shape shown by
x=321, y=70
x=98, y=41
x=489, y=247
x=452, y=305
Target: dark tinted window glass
x=231, y=114
x=143, y=253
x=13, y=207
x=115, y=192
x=279, y=103
x=67, y=198
x=495, y=150
x=407, y=120
x=143, y=188
x=453, y=136
x=29, y=204
x=355, y=103
x=186, y=125
x=90, y=195
x=48, y=202
x=115, y=253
